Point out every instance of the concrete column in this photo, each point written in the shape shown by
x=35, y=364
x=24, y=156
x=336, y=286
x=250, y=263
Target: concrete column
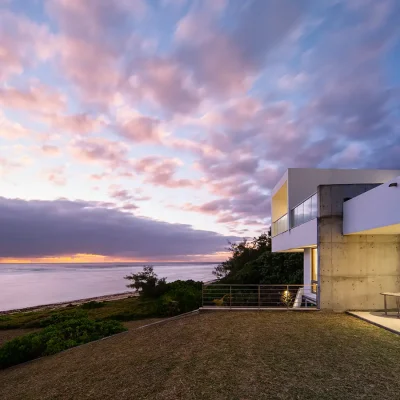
x=353, y=269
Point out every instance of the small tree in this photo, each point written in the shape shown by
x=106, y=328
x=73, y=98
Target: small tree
x=146, y=282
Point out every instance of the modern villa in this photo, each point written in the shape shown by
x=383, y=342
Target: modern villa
x=347, y=223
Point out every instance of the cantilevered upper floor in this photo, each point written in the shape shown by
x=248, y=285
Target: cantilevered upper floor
x=376, y=212
x=294, y=203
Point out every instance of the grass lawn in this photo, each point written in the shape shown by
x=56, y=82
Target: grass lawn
x=225, y=355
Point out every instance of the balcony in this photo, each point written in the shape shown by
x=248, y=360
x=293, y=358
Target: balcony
x=279, y=226
x=304, y=235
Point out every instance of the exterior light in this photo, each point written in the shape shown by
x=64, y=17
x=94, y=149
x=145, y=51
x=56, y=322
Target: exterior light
x=394, y=184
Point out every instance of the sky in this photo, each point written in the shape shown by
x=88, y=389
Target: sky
x=155, y=130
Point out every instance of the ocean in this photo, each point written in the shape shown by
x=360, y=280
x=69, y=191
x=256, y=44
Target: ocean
x=28, y=285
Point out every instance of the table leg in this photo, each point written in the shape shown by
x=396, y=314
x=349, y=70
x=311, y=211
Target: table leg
x=398, y=307
x=384, y=296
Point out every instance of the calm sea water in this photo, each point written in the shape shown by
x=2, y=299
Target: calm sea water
x=26, y=285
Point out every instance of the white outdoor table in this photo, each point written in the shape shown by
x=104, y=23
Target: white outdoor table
x=397, y=296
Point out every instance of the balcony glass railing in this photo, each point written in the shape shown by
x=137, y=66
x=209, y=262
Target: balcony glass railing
x=304, y=212
x=280, y=225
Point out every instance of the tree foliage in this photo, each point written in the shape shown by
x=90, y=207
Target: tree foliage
x=172, y=298
x=146, y=282
x=254, y=262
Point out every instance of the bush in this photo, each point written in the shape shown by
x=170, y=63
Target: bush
x=167, y=306
x=180, y=297
x=57, y=318
x=55, y=338
x=92, y=304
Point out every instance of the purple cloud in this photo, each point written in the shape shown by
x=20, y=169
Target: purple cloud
x=63, y=227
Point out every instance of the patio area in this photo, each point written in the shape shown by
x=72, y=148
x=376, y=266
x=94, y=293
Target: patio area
x=391, y=322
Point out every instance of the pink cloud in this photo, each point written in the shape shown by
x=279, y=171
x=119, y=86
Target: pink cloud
x=97, y=149
x=50, y=150
x=98, y=16
x=75, y=123
x=129, y=207
x=7, y=166
x=164, y=83
x=91, y=67
x=12, y=130
x=23, y=44
x=161, y=172
x=56, y=175
x=140, y=129
x=36, y=98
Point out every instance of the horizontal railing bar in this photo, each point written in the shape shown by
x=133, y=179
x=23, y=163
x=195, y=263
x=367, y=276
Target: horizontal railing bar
x=255, y=284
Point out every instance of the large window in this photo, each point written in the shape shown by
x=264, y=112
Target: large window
x=304, y=212
x=314, y=270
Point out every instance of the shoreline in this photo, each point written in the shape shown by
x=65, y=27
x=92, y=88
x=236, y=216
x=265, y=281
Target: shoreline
x=109, y=297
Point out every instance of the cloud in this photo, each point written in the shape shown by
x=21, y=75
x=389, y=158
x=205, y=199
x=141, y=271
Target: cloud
x=101, y=18
x=56, y=175
x=7, y=166
x=161, y=172
x=36, y=97
x=94, y=149
x=203, y=46
x=50, y=150
x=12, y=130
x=164, y=83
x=71, y=227
x=23, y=44
x=77, y=124
x=140, y=129
x=125, y=195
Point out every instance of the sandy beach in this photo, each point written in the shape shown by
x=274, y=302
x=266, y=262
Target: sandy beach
x=117, y=296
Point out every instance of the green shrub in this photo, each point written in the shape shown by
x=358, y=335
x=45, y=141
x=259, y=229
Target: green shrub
x=180, y=297
x=92, y=304
x=167, y=306
x=55, y=338
x=57, y=318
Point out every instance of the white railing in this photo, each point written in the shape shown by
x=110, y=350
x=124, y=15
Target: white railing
x=287, y=297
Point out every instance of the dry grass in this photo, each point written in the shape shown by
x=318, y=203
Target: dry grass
x=227, y=355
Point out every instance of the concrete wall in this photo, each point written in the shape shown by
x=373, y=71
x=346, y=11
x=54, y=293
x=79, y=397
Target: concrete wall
x=353, y=269
x=299, y=237
x=379, y=207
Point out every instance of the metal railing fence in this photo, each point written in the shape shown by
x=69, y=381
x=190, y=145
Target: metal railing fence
x=259, y=296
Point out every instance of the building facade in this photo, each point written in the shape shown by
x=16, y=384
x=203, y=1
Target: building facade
x=347, y=224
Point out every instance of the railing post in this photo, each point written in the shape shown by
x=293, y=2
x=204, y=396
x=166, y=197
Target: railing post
x=202, y=295
x=287, y=297
x=230, y=297
x=259, y=296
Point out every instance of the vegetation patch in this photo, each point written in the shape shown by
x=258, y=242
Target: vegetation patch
x=56, y=337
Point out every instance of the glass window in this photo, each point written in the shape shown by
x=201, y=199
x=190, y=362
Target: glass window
x=299, y=214
x=284, y=223
x=307, y=210
x=292, y=218
x=314, y=206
